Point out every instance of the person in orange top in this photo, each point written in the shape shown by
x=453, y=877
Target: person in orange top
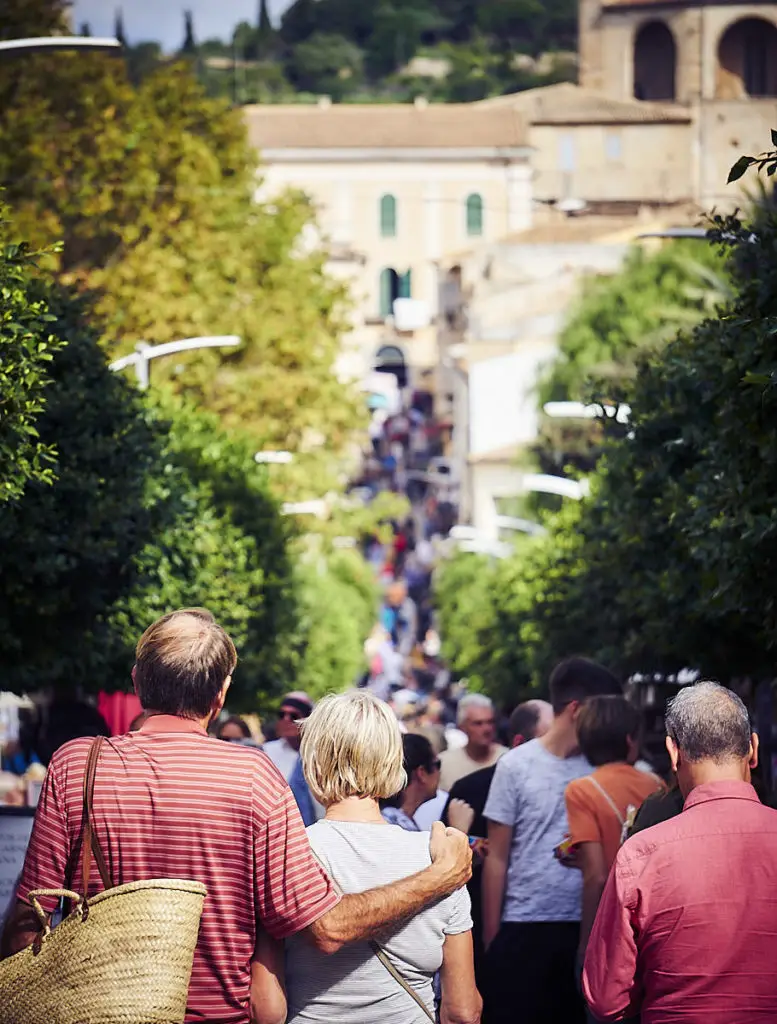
x=601, y=806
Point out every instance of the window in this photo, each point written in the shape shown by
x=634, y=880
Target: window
x=388, y=216
x=613, y=148
x=405, y=286
x=566, y=154
x=474, y=215
x=389, y=291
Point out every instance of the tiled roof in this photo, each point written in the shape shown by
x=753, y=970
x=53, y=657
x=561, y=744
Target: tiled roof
x=567, y=103
x=385, y=126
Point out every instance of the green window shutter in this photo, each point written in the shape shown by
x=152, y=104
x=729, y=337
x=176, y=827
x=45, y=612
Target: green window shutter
x=405, y=286
x=388, y=216
x=387, y=292
x=474, y=214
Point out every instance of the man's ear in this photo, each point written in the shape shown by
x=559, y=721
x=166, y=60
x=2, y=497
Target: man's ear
x=134, y=680
x=518, y=740
x=674, y=753
x=754, y=745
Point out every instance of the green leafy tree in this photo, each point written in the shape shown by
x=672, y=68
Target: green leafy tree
x=27, y=18
x=153, y=193
x=118, y=29
x=338, y=608
x=27, y=346
x=189, y=47
x=326, y=63
x=670, y=564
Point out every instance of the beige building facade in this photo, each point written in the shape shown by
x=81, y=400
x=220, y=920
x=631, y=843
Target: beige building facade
x=397, y=188
x=718, y=60
x=613, y=154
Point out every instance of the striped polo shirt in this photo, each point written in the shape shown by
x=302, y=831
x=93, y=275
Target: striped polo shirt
x=172, y=802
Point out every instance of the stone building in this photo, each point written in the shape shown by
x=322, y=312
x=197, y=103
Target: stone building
x=615, y=155
x=718, y=60
x=396, y=188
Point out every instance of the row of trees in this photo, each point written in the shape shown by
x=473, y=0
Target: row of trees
x=353, y=50
x=670, y=563
x=115, y=506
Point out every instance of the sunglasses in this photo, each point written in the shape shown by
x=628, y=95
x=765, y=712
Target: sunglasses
x=435, y=766
x=293, y=716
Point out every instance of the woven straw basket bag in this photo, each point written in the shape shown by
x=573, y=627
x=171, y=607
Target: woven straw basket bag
x=123, y=957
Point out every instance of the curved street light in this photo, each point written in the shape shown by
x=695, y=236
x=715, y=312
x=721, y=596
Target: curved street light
x=544, y=483
x=49, y=43
x=144, y=353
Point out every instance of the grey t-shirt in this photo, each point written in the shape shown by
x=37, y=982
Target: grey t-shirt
x=528, y=794
x=352, y=986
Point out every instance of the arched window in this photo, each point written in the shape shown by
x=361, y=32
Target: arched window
x=388, y=216
x=391, y=359
x=389, y=291
x=655, y=60
x=405, y=285
x=747, y=60
x=474, y=215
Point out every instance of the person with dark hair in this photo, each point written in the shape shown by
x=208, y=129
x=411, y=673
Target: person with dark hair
x=233, y=729
x=531, y=902
x=685, y=930
x=283, y=751
x=602, y=806
x=170, y=801
x=422, y=771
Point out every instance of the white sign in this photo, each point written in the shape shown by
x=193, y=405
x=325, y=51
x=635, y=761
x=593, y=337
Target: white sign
x=15, y=829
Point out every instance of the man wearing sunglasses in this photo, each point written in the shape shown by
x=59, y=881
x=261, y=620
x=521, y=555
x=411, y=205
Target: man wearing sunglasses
x=284, y=751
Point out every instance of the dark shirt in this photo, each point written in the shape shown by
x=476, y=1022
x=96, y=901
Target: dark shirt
x=657, y=808
x=474, y=790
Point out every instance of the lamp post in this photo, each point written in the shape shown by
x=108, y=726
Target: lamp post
x=544, y=483
x=144, y=353
x=274, y=458
x=581, y=411
x=53, y=43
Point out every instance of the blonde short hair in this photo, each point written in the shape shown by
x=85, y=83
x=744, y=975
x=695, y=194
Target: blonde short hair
x=352, y=746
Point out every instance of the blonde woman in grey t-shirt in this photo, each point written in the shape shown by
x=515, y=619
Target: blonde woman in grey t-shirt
x=352, y=756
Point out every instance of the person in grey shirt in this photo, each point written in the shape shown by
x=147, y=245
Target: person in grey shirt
x=352, y=757
x=531, y=902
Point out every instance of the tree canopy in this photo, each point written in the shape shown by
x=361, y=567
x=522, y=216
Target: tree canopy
x=27, y=346
x=670, y=563
x=152, y=194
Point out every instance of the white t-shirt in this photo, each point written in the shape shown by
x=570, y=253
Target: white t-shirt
x=431, y=811
x=457, y=763
x=527, y=793
x=283, y=756
x=352, y=986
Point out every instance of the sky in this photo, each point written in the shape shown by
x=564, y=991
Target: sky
x=162, y=20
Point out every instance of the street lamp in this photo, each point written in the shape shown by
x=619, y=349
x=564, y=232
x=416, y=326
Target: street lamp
x=317, y=507
x=49, y=43
x=144, y=353
x=544, y=483
x=580, y=411
x=274, y=458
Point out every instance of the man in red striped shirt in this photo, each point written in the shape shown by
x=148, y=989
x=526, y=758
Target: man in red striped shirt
x=172, y=802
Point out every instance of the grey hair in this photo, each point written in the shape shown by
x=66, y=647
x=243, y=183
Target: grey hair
x=709, y=723
x=472, y=700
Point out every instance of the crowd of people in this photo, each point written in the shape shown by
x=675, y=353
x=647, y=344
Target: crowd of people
x=399, y=853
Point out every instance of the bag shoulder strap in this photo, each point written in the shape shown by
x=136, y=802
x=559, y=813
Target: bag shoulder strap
x=381, y=954
x=608, y=798
x=91, y=844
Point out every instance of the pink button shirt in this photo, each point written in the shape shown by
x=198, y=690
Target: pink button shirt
x=686, y=931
